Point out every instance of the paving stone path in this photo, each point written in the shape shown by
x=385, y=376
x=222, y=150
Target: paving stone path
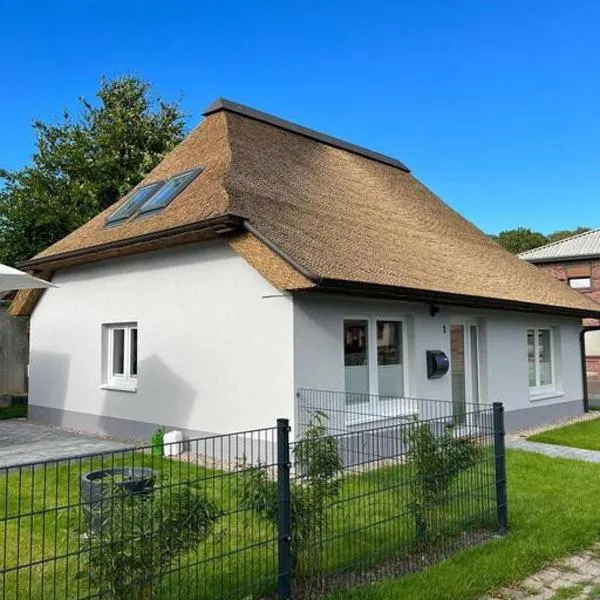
x=24, y=442
x=520, y=443
x=576, y=577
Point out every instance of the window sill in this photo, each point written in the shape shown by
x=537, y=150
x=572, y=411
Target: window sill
x=545, y=395
x=132, y=389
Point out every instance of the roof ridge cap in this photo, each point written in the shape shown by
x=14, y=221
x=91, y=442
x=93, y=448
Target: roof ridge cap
x=222, y=104
x=555, y=243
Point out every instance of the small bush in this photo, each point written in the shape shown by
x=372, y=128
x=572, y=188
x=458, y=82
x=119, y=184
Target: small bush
x=318, y=462
x=142, y=534
x=436, y=462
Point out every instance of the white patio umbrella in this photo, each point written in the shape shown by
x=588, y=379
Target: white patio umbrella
x=13, y=279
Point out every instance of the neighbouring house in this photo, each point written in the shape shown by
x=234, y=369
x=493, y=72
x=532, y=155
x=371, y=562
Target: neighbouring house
x=576, y=262
x=261, y=259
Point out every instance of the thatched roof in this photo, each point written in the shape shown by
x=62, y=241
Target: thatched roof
x=314, y=213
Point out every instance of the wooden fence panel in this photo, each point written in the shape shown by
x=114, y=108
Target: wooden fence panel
x=14, y=352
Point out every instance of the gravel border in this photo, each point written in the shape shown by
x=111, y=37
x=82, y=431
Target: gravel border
x=526, y=432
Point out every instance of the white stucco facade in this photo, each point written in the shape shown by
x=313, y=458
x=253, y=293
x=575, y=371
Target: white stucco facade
x=503, y=352
x=222, y=350
x=215, y=344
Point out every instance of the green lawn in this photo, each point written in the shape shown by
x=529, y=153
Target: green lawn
x=16, y=411
x=369, y=522
x=585, y=434
x=41, y=523
x=554, y=510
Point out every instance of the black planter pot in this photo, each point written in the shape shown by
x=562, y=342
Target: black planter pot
x=99, y=489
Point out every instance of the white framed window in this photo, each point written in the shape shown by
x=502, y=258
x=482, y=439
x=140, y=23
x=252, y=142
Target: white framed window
x=120, y=341
x=374, y=362
x=540, y=358
x=580, y=283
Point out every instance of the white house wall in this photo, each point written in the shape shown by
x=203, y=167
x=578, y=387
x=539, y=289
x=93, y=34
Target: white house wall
x=319, y=361
x=215, y=345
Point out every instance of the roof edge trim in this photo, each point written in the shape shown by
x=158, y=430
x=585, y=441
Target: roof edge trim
x=560, y=259
x=432, y=296
x=234, y=222
x=221, y=104
x=283, y=255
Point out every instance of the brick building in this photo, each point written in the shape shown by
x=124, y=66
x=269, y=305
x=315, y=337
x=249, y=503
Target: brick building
x=576, y=261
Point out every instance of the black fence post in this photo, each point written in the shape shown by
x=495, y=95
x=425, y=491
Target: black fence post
x=284, y=515
x=500, y=455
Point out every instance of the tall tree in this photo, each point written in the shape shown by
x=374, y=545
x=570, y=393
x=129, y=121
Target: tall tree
x=82, y=166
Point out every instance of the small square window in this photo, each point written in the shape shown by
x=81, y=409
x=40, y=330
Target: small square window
x=120, y=356
x=579, y=283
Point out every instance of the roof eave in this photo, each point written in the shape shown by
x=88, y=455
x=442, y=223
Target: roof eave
x=219, y=225
x=560, y=259
x=437, y=297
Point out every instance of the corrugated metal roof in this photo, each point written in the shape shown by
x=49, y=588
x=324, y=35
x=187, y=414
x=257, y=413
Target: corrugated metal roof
x=579, y=246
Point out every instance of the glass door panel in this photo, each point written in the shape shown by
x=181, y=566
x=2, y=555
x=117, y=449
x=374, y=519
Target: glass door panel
x=390, y=367
x=474, y=362
x=356, y=361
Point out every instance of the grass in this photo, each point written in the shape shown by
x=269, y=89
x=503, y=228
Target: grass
x=370, y=521
x=42, y=522
x=569, y=592
x=585, y=434
x=554, y=510
x=16, y=411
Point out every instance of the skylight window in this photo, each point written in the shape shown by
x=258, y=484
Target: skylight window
x=168, y=191
x=133, y=203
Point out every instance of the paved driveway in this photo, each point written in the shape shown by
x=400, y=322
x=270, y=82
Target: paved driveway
x=24, y=442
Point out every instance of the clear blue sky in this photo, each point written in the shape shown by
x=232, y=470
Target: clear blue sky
x=493, y=104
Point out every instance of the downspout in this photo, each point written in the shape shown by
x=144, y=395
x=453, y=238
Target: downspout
x=586, y=400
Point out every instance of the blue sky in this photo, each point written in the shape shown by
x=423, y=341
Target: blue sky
x=492, y=104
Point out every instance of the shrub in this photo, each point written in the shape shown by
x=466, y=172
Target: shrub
x=142, y=534
x=436, y=462
x=319, y=465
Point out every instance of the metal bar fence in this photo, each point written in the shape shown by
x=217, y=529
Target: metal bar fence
x=253, y=514
x=132, y=524
x=413, y=481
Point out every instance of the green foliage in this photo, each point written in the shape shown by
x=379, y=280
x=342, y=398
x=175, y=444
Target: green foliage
x=141, y=535
x=319, y=465
x=80, y=167
x=523, y=239
x=317, y=456
x=520, y=239
x=561, y=234
x=436, y=462
x=16, y=411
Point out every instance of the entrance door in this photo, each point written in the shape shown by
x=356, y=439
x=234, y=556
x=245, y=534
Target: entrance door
x=464, y=369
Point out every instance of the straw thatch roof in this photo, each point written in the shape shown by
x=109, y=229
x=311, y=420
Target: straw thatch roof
x=314, y=213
